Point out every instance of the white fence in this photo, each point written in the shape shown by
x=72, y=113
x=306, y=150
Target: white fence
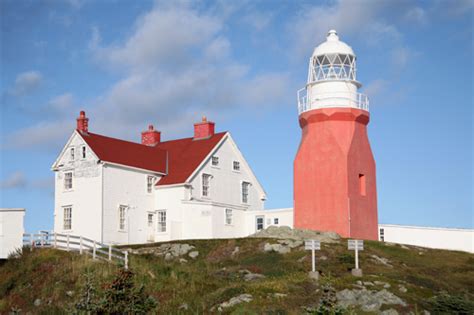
x=352, y=100
x=76, y=243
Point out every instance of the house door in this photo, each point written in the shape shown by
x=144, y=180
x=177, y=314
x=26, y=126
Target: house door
x=259, y=219
x=151, y=227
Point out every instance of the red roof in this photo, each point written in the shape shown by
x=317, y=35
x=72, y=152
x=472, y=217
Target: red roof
x=178, y=158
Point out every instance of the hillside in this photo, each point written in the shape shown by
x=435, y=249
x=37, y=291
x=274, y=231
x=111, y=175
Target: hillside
x=246, y=276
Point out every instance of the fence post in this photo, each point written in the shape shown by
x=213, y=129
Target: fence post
x=93, y=251
x=42, y=239
x=67, y=242
x=126, y=260
x=80, y=245
x=32, y=242
x=55, y=242
x=110, y=252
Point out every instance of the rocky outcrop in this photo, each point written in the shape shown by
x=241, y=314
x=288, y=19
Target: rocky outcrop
x=367, y=300
x=287, y=233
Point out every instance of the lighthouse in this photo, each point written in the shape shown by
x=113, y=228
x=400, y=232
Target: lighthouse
x=334, y=168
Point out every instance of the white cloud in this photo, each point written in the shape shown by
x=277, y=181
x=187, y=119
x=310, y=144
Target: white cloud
x=15, y=180
x=416, y=15
x=26, y=83
x=258, y=20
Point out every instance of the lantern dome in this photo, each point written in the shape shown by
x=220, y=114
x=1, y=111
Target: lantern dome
x=333, y=45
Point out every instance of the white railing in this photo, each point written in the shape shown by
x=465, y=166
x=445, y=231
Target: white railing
x=76, y=243
x=355, y=100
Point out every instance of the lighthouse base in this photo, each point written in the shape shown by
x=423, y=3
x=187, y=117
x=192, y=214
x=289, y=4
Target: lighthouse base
x=334, y=174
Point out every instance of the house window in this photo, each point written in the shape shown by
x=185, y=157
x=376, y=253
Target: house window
x=68, y=180
x=150, y=219
x=83, y=151
x=275, y=221
x=122, y=216
x=245, y=192
x=149, y=184
x=162, y=221
x=259, y=223
x=382, y=235
x=362, y=185
x=72, y=154
x=215, y=161
x=236, y=166
x=206, y=178
x=228, y=216
x=67, y=218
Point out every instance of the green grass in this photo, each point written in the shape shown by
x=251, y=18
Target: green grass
x=434, y=279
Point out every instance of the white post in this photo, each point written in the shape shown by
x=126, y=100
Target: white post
x=67, y=242
x=126, y=260
x=32, y=242
x=313, y=256
x=110, y=252
x=357, y=254
x=42, y=236
x=55, y=236
x=93, y=251
x=80, y=245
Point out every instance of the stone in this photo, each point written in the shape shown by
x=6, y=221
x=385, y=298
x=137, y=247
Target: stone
x=235, y=251
x=70, y=293
x=253, y=276
x=279, y=295
x=323, y=258
x=235, y=300
x=168, y=257
x=402, y=289
x=37, y=302
x=279, y=248
x=367, y=300
x=183, y=261
x=359, y=282
x=268, y=247
x=356, y=272
x=313, y=275
x=184, y=306
x=368, y=284
x=193, y=254
x=302, y=259
x=390, y=311
x=381, y=261
x=381, y=283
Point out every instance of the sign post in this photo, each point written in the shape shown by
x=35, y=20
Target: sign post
x=313, y=245
x=356, y=245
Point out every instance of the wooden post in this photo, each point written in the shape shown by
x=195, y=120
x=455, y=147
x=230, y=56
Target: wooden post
x=126, y=260
x=67, y=242
x=93, y=251
x=80, y=245
x=110, y=252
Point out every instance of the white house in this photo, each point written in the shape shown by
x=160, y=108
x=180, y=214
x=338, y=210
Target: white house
x=11, y=230
x=121, y=192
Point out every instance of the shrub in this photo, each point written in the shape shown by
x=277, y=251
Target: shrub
x=451, y=304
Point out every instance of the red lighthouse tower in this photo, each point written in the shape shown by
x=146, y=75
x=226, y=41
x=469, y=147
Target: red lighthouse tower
x=334, y=169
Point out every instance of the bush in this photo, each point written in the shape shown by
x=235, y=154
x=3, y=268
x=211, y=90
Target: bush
x=451, y=304
x=120, y=296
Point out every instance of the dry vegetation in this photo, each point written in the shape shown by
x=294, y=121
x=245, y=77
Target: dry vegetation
x=436, y=280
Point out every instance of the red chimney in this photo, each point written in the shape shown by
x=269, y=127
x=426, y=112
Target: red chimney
x=83, y=122
x=151, y=137
x=203, y=129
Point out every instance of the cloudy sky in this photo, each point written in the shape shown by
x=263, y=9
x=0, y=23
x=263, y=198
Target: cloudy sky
x=131, y=63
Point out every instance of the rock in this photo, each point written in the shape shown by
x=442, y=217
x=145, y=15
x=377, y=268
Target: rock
x=250, y=276
x=404, y=247
x=356, y=272
x=279, y=295
x=313, y=275
x=168, y=256
x=381, y=283
x=235, y=300
x=37, y=302
x=235, y=251
x=425, y=312
x=183, y=306
x=381, y=261
x=390, y=311
x=287, y=233
x=402, y=289
x=302, y=259
x=359, y=282
x=268, y=247
x=70, y=293
x=279, y=248
x=368, y=284
x=151, y=274
x=323, y=258
x=193, y=254
x=369, y=301
x=183, y=261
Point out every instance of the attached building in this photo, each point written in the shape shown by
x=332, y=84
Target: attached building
x=11, y=230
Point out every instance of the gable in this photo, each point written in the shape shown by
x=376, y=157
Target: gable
x=75, y=141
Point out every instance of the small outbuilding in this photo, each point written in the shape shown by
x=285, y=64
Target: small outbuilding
x=11, y=230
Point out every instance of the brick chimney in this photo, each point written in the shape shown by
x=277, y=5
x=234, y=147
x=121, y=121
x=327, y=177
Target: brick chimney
x=203, y=129
x=151, y=137
x=83, y=122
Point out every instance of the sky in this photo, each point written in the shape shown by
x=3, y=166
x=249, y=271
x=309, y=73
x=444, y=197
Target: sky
x=240, y=63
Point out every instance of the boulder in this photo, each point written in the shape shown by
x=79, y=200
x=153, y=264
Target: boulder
x=235, y=300
x=367, y=300
x=287, y=233
x=193, y=254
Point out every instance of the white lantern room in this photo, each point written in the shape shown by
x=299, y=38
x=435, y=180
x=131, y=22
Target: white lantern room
x=332, y=78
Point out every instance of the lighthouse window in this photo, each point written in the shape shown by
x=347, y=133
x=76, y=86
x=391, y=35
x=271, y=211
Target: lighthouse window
x=362, y=185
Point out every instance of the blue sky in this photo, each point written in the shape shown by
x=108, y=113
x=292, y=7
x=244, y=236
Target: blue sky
x=131, y=63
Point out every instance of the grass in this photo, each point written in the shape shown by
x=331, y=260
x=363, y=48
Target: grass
x=434, y=279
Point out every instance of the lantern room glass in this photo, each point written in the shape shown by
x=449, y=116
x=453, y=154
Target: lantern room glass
x=332, y=67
